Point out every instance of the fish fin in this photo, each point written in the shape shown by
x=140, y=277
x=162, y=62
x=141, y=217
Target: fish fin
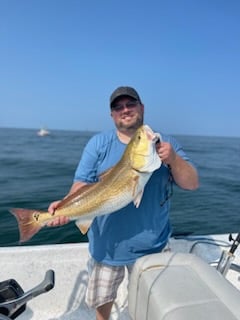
x=135, y=185
x=138, y=199
x=137, y=196
x=84, y=225
x=28, y=224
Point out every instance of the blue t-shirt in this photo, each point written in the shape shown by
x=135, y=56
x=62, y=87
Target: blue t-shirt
x=121, y=237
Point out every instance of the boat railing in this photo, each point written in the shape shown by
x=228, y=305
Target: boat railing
x=224, y=258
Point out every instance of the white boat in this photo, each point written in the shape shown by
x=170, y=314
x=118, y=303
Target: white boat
x=43, y=132
x=186, y=283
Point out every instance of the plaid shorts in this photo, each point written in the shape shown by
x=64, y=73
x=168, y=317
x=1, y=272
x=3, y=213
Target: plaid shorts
x=104, y=281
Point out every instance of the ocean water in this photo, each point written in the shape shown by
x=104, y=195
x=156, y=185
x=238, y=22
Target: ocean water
x=34, y=171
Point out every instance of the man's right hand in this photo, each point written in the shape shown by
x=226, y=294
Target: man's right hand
x=58, y=221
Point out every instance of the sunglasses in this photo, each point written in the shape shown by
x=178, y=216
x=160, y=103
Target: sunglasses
x=129, y=105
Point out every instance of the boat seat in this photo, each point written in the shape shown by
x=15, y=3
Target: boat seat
x=180, y=286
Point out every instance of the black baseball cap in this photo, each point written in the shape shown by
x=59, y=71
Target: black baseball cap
x=124, y=91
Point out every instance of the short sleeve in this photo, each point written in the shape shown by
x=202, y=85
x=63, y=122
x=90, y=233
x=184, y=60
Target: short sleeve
x=86, y=169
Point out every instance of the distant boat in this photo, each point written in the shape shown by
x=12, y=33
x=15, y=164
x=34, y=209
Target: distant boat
x=43, y=132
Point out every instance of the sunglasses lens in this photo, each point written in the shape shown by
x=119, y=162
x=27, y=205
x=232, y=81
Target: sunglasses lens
x=128, y=105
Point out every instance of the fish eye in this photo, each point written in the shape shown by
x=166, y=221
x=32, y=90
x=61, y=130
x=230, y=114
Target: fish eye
x=139, y=137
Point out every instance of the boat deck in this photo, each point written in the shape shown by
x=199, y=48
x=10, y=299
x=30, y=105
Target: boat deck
x=66, y=300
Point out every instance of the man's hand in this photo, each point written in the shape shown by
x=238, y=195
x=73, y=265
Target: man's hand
x=166, y=152
x=58, y=221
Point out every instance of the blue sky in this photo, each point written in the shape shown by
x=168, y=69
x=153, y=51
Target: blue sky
x=61, y=59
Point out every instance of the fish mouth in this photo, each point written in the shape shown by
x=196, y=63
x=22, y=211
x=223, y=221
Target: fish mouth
x=157, y=140
x=152, y=136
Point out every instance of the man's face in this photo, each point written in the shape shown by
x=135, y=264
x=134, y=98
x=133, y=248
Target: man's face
x=127, y=113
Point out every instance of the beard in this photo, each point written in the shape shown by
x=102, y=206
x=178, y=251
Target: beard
x=130, y=125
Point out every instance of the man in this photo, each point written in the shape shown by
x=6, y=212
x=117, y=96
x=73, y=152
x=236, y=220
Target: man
x=118, y=239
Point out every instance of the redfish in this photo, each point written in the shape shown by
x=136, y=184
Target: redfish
x=116, y=188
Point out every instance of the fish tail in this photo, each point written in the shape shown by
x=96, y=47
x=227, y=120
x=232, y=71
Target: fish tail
x=28, y=223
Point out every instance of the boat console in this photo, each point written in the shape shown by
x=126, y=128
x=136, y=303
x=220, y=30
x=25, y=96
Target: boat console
x=180, y=286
